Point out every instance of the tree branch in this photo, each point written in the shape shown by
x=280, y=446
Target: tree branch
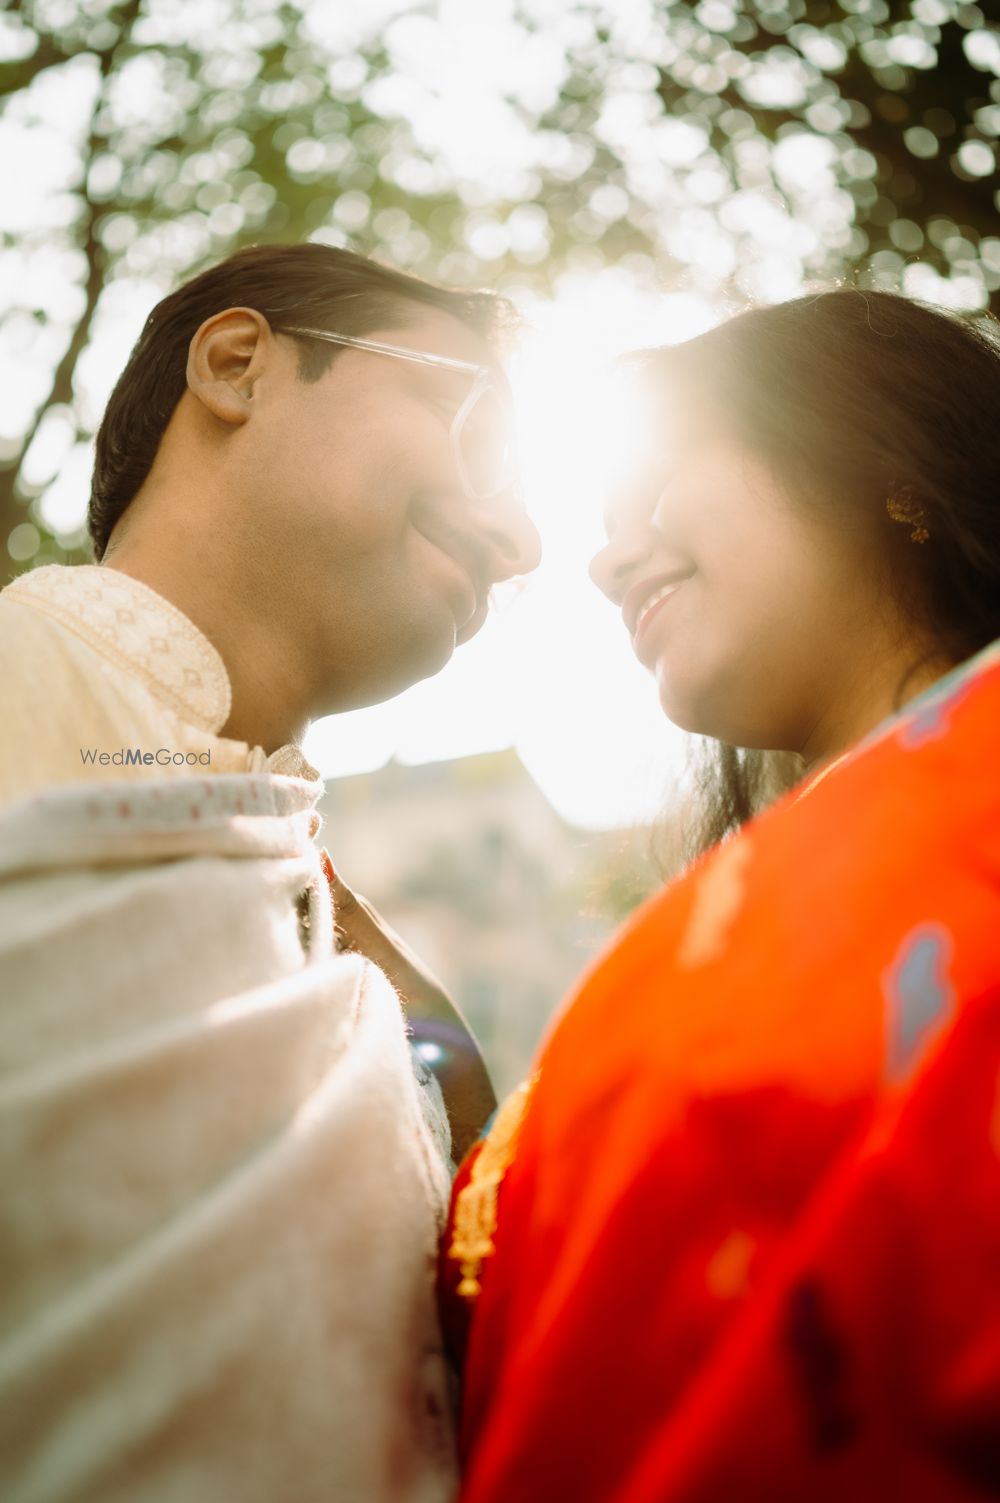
x=12, y=508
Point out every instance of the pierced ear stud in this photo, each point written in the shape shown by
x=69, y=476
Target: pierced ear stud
x=902, y=507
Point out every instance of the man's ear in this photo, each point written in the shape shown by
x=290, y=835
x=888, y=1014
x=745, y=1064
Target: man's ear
x=225, y=358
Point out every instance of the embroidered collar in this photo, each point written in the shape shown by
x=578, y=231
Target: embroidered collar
x=136, y=629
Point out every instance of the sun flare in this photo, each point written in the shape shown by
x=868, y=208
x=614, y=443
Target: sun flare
x=552, y=672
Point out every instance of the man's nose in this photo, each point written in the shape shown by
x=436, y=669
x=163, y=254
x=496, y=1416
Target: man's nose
x=516, y=547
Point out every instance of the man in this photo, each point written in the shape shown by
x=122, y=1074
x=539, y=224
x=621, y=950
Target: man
x=223, y=1193
x=301, y=503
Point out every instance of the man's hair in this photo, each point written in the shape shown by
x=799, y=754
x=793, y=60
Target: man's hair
x=313, y=285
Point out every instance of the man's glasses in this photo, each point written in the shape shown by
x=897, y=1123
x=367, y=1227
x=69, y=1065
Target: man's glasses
x=481, y=431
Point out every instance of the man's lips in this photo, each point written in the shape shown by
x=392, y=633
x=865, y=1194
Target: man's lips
x=465, y=602
x=465, y=556
x=475, y=621
x=643, y=598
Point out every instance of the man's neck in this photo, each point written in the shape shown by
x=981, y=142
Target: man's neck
x=268, y=702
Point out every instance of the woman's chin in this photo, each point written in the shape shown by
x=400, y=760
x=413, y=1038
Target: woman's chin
x=675, y=705
x=685, y=710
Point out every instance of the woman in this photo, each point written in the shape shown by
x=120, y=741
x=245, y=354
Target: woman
x=740, y=1235
x=803, y=452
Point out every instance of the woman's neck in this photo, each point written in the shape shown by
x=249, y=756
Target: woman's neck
x=866, y=703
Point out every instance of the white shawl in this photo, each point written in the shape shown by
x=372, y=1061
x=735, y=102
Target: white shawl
x=219, y=1201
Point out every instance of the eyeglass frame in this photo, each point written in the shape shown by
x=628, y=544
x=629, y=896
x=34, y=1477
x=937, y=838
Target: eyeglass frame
x=483, y=380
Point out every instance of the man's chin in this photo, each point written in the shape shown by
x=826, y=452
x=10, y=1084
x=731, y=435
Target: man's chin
x=428, y=652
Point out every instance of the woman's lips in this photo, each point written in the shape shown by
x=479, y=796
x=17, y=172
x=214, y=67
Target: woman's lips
x=646, y=593
x=649, y=611
x=651, y=607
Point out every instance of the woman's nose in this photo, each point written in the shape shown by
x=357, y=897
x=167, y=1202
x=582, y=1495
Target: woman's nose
x=613, y=567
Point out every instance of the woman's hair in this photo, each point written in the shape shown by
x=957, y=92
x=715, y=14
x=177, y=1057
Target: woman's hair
x=309, y=284
x=873, y=404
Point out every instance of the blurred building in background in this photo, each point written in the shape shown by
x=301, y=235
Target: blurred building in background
x=505, y=901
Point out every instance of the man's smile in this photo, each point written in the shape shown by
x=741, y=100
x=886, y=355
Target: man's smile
x=469, y=599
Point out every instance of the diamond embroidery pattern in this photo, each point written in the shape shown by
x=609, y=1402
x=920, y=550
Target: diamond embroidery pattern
x=139, y=631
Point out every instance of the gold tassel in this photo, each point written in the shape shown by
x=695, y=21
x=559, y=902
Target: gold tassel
x=476, y=1206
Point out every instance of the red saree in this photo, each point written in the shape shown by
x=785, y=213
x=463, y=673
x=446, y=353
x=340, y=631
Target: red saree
x=748, y=1241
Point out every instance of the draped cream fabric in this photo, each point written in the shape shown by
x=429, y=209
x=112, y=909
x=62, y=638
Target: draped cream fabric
x=219, y=1202
x=219, y=1197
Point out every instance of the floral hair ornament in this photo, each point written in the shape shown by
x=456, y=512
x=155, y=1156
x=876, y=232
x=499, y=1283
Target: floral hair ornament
x=902, y=507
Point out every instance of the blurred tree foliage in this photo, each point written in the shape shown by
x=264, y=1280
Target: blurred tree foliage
x=731, y=147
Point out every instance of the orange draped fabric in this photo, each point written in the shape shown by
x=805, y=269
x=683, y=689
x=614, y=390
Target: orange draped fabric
x=748, y=1246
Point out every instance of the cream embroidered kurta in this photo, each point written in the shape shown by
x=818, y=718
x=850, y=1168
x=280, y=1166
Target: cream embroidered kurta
x=219, y=1192
x=91, y=662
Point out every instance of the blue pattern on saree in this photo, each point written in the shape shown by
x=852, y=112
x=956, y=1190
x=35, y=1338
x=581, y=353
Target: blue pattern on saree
x=919, y=994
